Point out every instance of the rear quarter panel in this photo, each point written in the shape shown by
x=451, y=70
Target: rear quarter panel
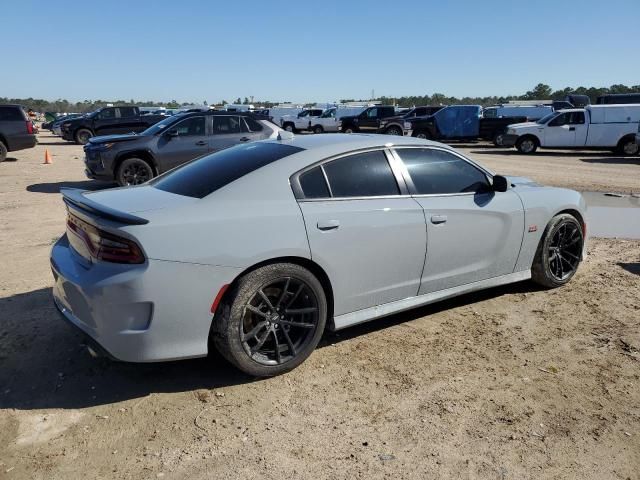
x=541, y=204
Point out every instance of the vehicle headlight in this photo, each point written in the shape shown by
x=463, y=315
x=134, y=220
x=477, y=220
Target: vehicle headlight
x=103, y=146
x=407, y=125
x=511, y=131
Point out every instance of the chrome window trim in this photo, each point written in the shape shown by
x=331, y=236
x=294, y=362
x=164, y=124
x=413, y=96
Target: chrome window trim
x=343, y=199
x=294, y=179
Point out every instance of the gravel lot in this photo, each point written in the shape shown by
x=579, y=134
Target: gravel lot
x=513, y=382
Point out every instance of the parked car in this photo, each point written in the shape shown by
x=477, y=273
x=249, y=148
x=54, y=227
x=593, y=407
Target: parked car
x=618, y=98
x=368, y=120
x=395, y=125
x=331, y=119
x=600, y=127
x=638, y=136
x=106, y=121
x=256, y=249
x=16, y=130
x=136, y=158
x=301, y=121
x=460, y=122
x=56, y=125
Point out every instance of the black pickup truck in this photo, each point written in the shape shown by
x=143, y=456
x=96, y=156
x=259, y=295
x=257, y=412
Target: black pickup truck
x=107, y=121
x=368, y=120
x=460, y=122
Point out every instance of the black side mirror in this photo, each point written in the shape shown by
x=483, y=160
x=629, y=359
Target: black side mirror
x=172, y=133
x=500, y=183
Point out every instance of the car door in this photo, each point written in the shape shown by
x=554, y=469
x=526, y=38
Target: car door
x=128, y=120
x=252, y=130
x=183, y=141
x=559, y=132
x=473, y=232
x=370, y=120
x=227, y=132
x=363, y=229
x=105, y=122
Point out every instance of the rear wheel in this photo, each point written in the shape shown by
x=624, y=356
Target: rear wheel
x=559, y=252
x=498, y=139
x=133, y=171
x=290, y=127
x=273, y=321
x=3, y=152
x=83, y=135
x=527, y=145
x=628, y=146
x=318, y=129
x=393, y=130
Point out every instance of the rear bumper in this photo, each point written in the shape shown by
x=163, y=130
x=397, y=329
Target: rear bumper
x=21, y=142
x=509, y=140
x=151, y=312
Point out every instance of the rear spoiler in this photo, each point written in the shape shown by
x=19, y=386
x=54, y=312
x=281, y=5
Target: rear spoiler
x=74, y=197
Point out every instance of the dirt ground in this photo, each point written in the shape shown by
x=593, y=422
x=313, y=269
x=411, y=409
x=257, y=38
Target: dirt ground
x=510, y=383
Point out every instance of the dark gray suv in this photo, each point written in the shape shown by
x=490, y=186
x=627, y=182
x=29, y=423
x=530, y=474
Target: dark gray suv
x=16, y=130
x=133, y=159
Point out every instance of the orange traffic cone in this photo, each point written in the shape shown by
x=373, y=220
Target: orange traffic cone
x=47, y=157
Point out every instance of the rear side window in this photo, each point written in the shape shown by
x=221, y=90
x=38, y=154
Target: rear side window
x=254, y=125
x=126, y=112
x=205, y=175
x=361, y=175
x=439, y=172
x=313, y=184
x=10, y=114
x=226, y=124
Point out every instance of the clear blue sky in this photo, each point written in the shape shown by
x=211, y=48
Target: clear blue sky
x=194, y=50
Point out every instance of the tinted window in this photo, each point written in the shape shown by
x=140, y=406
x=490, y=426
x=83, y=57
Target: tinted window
x=313, y=184
x=254, y=125
x=226, y=124
x=373, y=113
x=362, y=175
x=11, y=114
x=107, y=114
x=439, y=172
x=576, y=118
x=190, y=127
x=128, y=112
x=205, y=175
x=560, y=120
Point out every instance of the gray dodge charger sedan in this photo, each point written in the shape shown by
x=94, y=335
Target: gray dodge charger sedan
x=256, y=249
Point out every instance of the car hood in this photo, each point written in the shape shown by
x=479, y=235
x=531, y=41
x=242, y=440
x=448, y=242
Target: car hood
x=522, y=181
x=138, y=199
x=114, y=138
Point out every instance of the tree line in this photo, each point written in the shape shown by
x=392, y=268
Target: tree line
x=539, y=92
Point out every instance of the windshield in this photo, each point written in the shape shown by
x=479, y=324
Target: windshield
x=161, y=125
x=546, y=118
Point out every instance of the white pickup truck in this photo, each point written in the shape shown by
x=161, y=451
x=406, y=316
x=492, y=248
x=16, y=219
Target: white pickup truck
x=301, y=121
x=330, y=120
x=597, y=127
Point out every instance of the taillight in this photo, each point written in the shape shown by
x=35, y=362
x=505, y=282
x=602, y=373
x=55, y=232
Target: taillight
x=104, y=246
x=29, y=127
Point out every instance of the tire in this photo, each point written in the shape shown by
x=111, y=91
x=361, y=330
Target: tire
x=289, y=127
x=498, y=139
x=394, y=130
x=134, y=171
x=82, y=136
x=255, y=341
x=628, y=147
x=563, y=239
x=3, y=152
x=318, y=129
x=527, y=145
x=421, y=134
x=349, y=129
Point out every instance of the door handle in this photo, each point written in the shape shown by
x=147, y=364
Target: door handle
x=437, y=219
x=201, y=143
x=325, y=225
x=572, y=129
x=245, y=139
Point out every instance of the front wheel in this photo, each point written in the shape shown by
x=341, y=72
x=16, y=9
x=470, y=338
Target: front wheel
x=3, y=152
x=83, y=135
x=421, y=134
x=133, y=171
x=559, y=252
x=526, y=145
x=498, y=139
x=273, y=321
x=349, y=130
